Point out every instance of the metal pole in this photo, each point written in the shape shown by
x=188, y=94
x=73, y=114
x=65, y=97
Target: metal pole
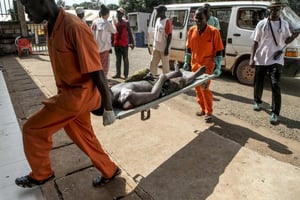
x=21, y=14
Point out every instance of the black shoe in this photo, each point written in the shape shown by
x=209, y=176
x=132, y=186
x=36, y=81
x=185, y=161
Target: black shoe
x=100, y=180
x=28, y=182
x=116, y=76
x=200, y=113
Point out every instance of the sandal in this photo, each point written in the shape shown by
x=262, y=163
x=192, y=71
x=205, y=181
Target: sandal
x=28, y=182
x=100, y=180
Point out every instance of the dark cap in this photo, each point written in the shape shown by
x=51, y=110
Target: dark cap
x=161, y=8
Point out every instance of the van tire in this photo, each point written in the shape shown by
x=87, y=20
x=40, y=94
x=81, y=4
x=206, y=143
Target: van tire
x=245, y=73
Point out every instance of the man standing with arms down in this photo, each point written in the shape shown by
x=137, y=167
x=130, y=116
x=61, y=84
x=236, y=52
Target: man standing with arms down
x=270, y=37
x=81, y=87
x=122, y=39
x=204, y=48
x=161, y=42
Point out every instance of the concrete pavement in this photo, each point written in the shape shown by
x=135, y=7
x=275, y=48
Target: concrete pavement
x=173, y=155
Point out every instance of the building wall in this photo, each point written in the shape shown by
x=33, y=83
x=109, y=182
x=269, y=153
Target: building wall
x=9, y=30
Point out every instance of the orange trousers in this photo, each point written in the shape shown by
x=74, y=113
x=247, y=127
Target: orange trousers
x=205, y=98
x=37, y=140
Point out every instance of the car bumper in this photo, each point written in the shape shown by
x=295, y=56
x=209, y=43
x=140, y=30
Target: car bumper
x=291, y=67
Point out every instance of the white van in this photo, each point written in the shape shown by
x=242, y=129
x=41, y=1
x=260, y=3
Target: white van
x=235, y=36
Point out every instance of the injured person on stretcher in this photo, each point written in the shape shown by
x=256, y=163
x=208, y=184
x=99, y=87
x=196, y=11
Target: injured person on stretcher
x=130, y=95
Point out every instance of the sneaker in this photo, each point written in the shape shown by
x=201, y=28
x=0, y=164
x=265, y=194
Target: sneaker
x=273, y=118
x=256, y=106
x=100, y=180
x=28, y=182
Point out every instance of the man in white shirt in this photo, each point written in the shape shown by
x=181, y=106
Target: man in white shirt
x=270, y=37
x=162, y=40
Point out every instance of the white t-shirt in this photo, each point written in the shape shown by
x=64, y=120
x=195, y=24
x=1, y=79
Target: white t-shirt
x=160, y=36
x=102, y=31
x=266, y=44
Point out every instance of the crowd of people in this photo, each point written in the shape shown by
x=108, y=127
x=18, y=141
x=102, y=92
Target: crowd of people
x=79, y=56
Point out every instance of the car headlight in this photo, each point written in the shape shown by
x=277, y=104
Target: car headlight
x=291, y=52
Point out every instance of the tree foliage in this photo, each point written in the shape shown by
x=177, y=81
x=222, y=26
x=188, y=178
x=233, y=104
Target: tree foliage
x=61, y=3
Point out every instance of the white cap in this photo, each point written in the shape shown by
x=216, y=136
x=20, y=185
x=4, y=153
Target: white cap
x=79, y=10
x=121, y=10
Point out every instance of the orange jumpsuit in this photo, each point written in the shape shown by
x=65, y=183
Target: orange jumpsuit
x=204, y=48
x=74, y=55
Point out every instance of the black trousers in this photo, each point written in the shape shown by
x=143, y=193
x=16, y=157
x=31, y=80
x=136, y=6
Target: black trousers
x=274, y=72
x=122, y=52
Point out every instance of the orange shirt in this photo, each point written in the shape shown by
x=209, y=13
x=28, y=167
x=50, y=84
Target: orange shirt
x=204, y=47
x=74, y=55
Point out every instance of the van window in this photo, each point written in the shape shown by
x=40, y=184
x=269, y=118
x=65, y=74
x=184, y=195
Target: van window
x=191, y=21
x=249, y=17
x=178, y=18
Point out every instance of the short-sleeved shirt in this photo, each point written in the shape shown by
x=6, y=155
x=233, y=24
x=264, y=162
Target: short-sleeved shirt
x=74, y=55
x=102, y=30
x=122, y=37
x=204, y=47
x=163, y=27
x=266, y=44
x=213, y=21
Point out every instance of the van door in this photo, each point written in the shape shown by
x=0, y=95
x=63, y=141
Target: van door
x=242, y=24
x=223, y=14
x=179, y=18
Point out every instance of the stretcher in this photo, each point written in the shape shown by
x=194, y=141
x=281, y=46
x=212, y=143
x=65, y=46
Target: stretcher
x=145, y=109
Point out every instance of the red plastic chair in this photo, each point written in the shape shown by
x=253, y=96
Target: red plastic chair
x=23, y=44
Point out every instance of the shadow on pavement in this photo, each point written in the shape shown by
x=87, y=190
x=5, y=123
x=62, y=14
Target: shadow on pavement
x=192, y=172
x=241, y=135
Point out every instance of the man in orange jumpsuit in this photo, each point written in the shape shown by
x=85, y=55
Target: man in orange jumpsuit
x=204, y=48
x=81, y=87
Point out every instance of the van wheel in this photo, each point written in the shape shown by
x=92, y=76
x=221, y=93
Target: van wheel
x=245, y=73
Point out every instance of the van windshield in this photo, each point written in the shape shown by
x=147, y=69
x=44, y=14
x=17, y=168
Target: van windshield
x=292, y=18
